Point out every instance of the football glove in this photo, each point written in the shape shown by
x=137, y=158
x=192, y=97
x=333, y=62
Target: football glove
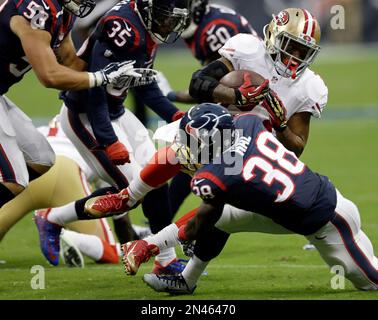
x=114, y=74
x=250, y=95
x=277, y=111
x=117, y=153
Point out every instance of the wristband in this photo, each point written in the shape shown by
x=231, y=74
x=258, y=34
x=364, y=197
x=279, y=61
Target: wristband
x=96, y=79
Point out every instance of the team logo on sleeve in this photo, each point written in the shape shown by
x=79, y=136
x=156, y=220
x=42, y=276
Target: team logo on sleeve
x=282, y=18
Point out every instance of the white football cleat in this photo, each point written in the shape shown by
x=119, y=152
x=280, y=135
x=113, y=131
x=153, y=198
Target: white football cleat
x=70, y=253
x=173, y=284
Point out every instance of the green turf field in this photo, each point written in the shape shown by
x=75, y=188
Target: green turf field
x=343, y=145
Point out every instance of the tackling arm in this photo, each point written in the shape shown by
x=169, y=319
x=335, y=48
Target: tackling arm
x=68, y=57
x=36, y=45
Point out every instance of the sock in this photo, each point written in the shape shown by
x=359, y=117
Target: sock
x=110, y=253
x=5, y=195
x=89, y=245
x=164, y=239
x=93, y=247
x=63, y=215
x=193, y=270
x=166, y=256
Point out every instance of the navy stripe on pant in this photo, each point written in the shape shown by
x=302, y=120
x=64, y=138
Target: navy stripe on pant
x=355, y=252
x=89, y=141
x=6, y=168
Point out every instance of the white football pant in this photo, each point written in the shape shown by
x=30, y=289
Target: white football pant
x=341, y=242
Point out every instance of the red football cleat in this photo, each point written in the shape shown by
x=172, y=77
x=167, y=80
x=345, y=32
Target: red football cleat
x=110, y=204
x=135, y=253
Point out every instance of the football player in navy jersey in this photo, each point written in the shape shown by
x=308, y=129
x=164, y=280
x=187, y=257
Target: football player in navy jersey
x=249, y=178
x=35, y=34
x=109, y=137
x=210, y=28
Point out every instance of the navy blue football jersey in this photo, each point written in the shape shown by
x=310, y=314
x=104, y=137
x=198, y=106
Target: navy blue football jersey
x=43, y=14
x=217, y=26
x=259, y=174
x=120, y=35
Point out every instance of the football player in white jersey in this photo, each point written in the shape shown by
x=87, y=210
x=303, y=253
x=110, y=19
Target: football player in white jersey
x=292, y=94
x=290, y=45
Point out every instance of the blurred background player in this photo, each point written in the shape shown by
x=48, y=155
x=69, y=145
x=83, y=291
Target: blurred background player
x=109, y=137
x=34, y=36
x=298, y=93
x=68, y=179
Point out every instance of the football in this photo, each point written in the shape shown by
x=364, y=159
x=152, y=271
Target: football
x=235, y=78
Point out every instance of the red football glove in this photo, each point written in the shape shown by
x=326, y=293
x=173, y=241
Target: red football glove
x=178, y=115
x=277, y=111
x=248, y=94
x=117, y=153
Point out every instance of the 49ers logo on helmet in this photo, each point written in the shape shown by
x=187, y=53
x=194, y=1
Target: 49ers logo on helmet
x=282, y=18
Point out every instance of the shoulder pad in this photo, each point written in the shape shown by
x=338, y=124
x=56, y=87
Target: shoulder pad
x=119, y=32
x=43, y=14
x=315, y=93
x=242, y=47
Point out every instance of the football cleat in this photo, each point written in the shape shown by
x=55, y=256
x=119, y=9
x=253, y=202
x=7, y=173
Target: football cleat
x=70, y=253
x=135, y=253
x=49, y=234
x=107, y=205
x=175, y=267
x=172, y=284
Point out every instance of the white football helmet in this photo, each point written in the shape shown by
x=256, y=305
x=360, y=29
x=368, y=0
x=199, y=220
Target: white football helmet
x=292, y=41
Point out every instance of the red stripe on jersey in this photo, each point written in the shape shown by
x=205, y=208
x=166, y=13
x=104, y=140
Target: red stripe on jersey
x=216, y=22
x=212, y=178
x=54, y=12
x=135, y=29
x=19, y=3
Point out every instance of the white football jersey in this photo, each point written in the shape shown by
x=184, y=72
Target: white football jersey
x=64, y=147
x=308, y=93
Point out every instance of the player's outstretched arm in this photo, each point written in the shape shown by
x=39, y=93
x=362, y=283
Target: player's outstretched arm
x=36, y=45
x=66, y=55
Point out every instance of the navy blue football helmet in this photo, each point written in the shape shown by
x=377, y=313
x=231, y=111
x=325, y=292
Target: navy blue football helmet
x=165, y=19
x=207, y=130
x=198, y=10
x=80, y=8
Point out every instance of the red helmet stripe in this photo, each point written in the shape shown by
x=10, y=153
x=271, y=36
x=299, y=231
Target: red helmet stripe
x=309, y=27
